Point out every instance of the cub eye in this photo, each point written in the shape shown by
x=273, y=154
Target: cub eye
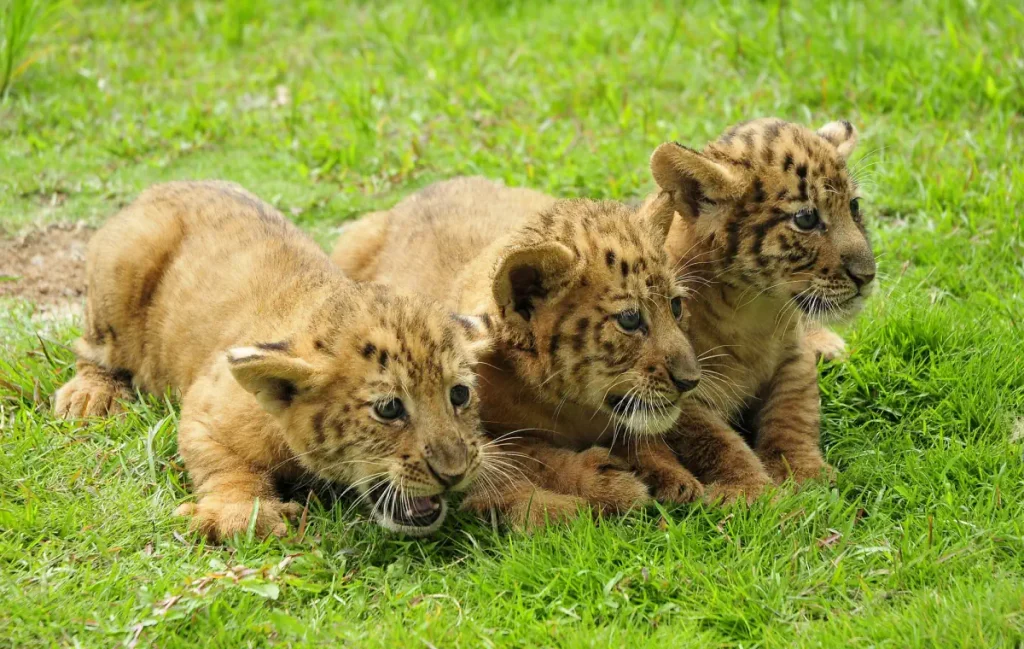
x=677, y=307
x=629, y=320
x=855, y=209
x=807, y=219
x=389, y=410
x=459, y=395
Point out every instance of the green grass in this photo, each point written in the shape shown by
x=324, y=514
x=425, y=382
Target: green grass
x=331, y=109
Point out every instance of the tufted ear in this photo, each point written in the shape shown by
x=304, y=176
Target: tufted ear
x=272, y=374
x=527, y=275
x=842, y=135
x=690, y=177
x=478, y=332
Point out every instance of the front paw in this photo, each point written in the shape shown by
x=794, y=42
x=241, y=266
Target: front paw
x=826, y=344
x=88, y=395
x=528, y=510
x=673, y=485
x=801, y=468
x=219, y=519
x=728, y=492
x=608, y=481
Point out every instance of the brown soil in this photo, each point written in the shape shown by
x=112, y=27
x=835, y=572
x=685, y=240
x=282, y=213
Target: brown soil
x=47, y=267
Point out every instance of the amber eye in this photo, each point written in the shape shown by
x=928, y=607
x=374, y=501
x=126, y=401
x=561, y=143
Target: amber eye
x=855, y=209
x=459, y=396
x=629, y=320
x=807, y=219
x=677, y=307
x=390, y=409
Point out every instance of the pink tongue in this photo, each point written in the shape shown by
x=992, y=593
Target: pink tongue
x=420, y=505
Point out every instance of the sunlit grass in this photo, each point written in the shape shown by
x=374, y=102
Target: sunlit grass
x=329, y=110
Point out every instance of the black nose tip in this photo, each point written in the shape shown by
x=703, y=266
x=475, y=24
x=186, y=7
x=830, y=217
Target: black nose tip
x=860, y=279
x=684, y=385
x=446, y=479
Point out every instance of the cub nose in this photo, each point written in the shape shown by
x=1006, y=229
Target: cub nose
x=448, y=461
x=860, y=279
x=445, y=478
x=861, y=271
x=683, y=385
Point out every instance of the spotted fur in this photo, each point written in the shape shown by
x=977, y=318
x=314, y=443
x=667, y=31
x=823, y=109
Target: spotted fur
x=551, y=279
x=770, y=235
x=281, y=362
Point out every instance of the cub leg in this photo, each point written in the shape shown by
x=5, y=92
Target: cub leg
x=825, y=343
x=522, y=504
x=228, y=487
x=93, y=392
x=659, y=468
x=596, y=474
x=788, y=423
x=718, y=456
x=530, y=481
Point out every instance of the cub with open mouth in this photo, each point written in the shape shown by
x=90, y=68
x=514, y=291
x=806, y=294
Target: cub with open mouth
x=591, y=358
x=287, y=370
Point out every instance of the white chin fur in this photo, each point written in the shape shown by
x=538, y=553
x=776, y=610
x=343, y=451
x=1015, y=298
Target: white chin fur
x=844, y=314
x=647, y=423
x=391, y=525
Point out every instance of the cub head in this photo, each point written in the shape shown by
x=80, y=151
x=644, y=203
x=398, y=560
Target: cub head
x=379, y=393
x=590, y=311
x=778, y=211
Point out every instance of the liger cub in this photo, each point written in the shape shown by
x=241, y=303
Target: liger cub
x=589, y=326
x=771, y=236
x=287, y=370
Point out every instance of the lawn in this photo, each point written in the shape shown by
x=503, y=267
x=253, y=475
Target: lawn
x=330, y=109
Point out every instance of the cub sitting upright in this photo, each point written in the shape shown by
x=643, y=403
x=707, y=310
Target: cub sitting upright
x=770, y=233
x=288, y=370
x=589, y=334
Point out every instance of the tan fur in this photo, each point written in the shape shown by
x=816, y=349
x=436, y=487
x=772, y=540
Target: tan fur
x=281, y=361
x=550, y=277
x=757, y=277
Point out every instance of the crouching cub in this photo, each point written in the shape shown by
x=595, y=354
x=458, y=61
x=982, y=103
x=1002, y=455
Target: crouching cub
x=287, y=369
x=771, y=234
x=589, y=328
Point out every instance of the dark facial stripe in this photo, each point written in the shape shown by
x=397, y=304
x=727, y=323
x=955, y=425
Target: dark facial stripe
x=281, y=346
x=318, y=428
x=787, y=162
x=759, y=194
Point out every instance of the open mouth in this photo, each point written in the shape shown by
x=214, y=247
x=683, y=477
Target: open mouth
x=405, y=513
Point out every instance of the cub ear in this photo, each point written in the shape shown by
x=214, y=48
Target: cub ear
x=658, y=212
x=270, y=373
x=478, y=332
x=689, y=177
x=528, y=275
x=842, y=135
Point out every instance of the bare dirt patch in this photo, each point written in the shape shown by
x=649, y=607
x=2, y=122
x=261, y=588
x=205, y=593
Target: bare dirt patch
x=46, y=267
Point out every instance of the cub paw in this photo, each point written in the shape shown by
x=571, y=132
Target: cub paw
x=608, y=481
x=826, y=344
x=530, y=511
x=726, y=493
x=219, y=520
x=90, y=395
x=800, y=469
x=673, y=485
